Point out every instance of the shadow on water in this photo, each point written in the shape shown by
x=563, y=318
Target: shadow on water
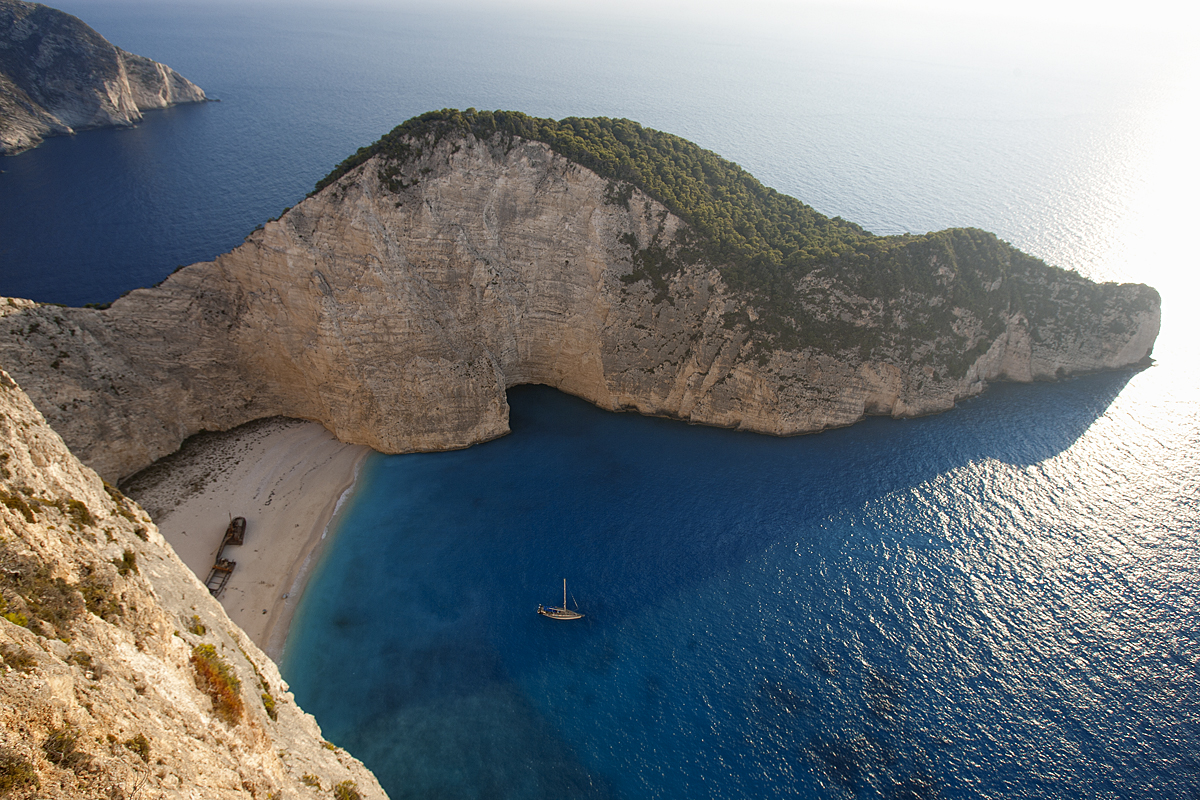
x=737, y=493
x=417, y=647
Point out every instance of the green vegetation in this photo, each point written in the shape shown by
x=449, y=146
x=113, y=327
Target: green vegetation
x=79, y=513
x=126, y=564
x=16, y=773
x=759, y=234
x=346, y=790
x=16, y=658
x=98, y=597
x=197, y=627
x=62, y=749
x=891, y=295
x=268, y=700
x=308, y=779
x=18, y=504
x=140, y=745
x=34, y=598
x=269, y=704
x=15, y=617
x=216, y=678
x=24, y=502
x=88, y=664
x=124, y=507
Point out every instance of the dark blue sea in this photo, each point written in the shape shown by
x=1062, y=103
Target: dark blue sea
x=1000, y=601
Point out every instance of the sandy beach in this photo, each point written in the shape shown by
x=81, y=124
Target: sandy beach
x=285, y=477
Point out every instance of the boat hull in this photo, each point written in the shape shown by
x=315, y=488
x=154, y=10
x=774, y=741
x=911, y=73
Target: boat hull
x=559, y=613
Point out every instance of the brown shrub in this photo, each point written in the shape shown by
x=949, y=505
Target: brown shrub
x=216, y=679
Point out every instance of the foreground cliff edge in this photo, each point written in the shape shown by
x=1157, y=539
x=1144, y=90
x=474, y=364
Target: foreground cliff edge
x=119, y=675
x=58, y=76
x=466, y=252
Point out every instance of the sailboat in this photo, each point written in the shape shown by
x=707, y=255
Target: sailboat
x=560, y=613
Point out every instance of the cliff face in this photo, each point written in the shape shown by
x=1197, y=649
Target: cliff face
x=101, y=631
x=396, y=308
x=57, y=75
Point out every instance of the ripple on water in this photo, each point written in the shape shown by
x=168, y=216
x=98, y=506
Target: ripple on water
x=978, y=615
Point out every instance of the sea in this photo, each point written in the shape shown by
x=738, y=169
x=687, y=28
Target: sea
x=1002, y=601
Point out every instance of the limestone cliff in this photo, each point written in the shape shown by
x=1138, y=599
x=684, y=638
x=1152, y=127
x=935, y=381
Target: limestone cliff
x=57, y=76
x=102, y=629
x=398, y=303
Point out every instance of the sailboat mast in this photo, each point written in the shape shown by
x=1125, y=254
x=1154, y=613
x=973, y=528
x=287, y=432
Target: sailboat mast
x=564, y=594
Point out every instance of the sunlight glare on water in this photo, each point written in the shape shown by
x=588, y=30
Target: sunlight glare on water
x=989, y=573
x=997, y=602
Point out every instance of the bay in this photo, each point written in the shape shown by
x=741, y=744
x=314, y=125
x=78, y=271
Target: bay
x=963, y=606
x=996, y=602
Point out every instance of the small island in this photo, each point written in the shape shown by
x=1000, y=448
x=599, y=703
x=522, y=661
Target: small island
x=58, y=76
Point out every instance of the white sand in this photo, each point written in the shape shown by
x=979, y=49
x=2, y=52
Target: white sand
x=286, y=478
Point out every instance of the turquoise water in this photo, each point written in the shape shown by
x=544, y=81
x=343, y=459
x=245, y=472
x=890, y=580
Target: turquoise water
x=961, y=606
x=996, y=602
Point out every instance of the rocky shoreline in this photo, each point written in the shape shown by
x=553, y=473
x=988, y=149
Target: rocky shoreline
x=58, y=76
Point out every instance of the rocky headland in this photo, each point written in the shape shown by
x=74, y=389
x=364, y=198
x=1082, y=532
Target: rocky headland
x=460, y=255
x=120, y=676
x=457, y=258
x=58, y=76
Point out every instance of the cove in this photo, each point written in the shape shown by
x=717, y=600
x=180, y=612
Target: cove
x=879, y=609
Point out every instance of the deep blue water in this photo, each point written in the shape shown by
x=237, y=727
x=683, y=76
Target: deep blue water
x=907, y=124
x=997, y=602
x=943, y=607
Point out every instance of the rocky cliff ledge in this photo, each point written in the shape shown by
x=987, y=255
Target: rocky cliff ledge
x=120, y=676
x=398, y=303
x=57, y=76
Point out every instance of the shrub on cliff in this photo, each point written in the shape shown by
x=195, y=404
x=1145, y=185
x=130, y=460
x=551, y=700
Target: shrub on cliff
x=755, y=231
x=62, y=748
x=16, y=658
x=140, y=745
x=216, y=678
x=35, y=598
x=16, y=773
x=126, y=564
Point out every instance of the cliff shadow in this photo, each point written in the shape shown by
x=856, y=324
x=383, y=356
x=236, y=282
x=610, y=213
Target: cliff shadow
x=684, y=546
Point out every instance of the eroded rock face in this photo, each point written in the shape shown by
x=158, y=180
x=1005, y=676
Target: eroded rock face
x=57, y=76
x=100, y=624
x=396, y=309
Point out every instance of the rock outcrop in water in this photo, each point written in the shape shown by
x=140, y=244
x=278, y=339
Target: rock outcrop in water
x=398, y=303
x=108, y=645
x=58, y=76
